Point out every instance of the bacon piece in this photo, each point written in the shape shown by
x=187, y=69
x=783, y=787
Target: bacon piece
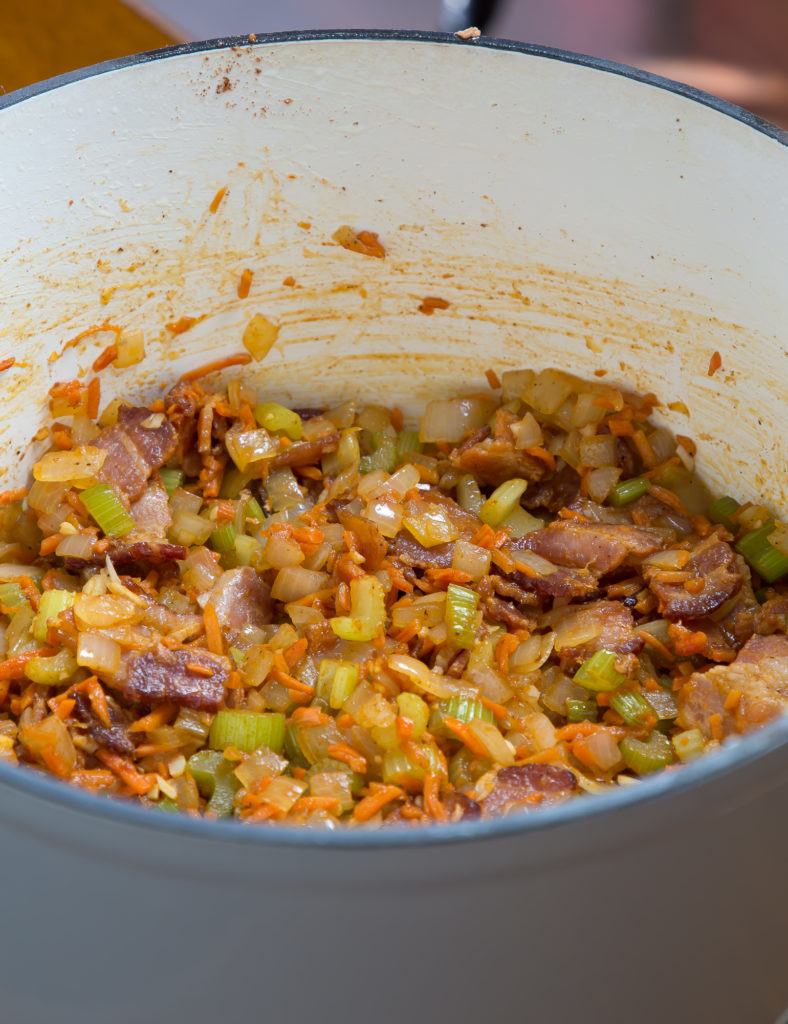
x=135, y=449
x=493, y=460
x=406, y=549
x=460, y=806
x=242, y=601
x=609, y=624
x=163, y=676
x=524, y=786
x=759, y=674
x=714, y=562
x=554, y=492
x=370, y=540
x=116, y=736
x=595, y=546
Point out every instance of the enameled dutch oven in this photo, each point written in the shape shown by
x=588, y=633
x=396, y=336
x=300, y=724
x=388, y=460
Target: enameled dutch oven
x=572, y=213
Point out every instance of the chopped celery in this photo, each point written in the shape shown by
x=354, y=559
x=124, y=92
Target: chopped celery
x=367, y=617
x=238, y=656
x=383, y=454
x=461, y=608
x=502, y=502
x=167, y=805
x=580, y=710
x=330, y=764
x=469, y=496
x=633, y=708
x=407, y=441
x=11, y=595
x=215, y=776
x=292, y=747
x=53, y=602
x=247, y=730
x=108, y=510
x=245, y=550
x=343, y=684
x=401, y=770
x=223, y=538
x=598, y=673
x=465, y=767
x=689, y=744
x=464, y=709
x=50, y=671
x=644, y=756
x=520, y=521
x=279, y=419
x=416, y=710
x=626, y=491
x=721, y=510
x=171, y=478
x=766, y=560
x=253, y=510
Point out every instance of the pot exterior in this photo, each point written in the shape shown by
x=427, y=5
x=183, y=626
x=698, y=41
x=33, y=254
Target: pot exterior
x=571, y=215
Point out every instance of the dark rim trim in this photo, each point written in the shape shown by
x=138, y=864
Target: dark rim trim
x=716, y=768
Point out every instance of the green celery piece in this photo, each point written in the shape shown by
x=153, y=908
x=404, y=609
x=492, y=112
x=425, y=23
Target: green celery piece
x=416, y=710
x=464, y=709
x=53, y=670
x=645, y=756
x=626, y=491
x=292, y=747
x=107, y=509
x=343, y=684
x=767, y=561
x=167, y=805
x=461, y=608
x=279, y=419
x=330, y=764
x=721, y=510
x=253, y=510
x=52, y=603
x=245, y=549
x=580, y=710
x=171, y=478
x=469, y=496
x=11, y=595
x=215, y=776
x=247, y=730
x=407, y=441
x=633, y=708
x=503, y=501
x=598, y=673
x=383, y=455
x=223, y=538
x=401, y=770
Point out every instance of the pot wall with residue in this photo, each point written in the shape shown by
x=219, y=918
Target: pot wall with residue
x=569, y=218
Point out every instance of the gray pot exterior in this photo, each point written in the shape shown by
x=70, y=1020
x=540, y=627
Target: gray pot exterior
x=671, y=908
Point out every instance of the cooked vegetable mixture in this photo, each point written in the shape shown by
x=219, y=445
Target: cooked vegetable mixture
x=322, y=617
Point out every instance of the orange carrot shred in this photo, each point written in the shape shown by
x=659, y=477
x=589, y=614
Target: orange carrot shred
x=466, y=734
x=245, y=283
x=6, y=364
x=714, y=363
x=213, y=632
x=733, y=699
x=347, y=754
x=160, y=716
x=10, y=496
x=239, y=359
x=378, y=797
x=715, y=725
x=125, y=770
x=103, y=360
x=93, y=398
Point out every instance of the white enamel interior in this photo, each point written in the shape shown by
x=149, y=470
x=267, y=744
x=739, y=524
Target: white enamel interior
x=570, y=216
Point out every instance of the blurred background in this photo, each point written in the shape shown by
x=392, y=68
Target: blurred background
x=732, y=49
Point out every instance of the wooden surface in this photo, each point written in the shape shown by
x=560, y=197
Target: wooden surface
x=42, y=38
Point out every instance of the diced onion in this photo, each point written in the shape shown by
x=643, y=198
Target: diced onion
x=102, y=611
x=598, y=451
x=78, y=464
x=420, y=675
x=249, y=446
x=98, y=653
x=527, y=432
x=451, y=419
x=471, y=558
x=280, y=552
x=293, y=582
x=499, y=749
x=131, y=348
x=600, y=482
x=259, y=336
x=77, y=545
x=531, y=654
x=283, y=792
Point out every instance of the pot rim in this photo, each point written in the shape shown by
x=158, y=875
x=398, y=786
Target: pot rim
x=747, y=751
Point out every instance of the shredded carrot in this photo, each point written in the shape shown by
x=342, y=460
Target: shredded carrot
x=222, y=192
x=245, y=283
x=162, y=715
x=98, y=699
x=695, y=585
x=540, y=757
x=432, y=802
x=103, y=360
x=499, y=711
x=49, y=544
x=538, y=452
x=239, y=359
x=64, y=707
x=492, y=379
x=347, y=754
x=466, y=734
x=93, y=398
x=6, y=364
x=732, y=700
x=315, y=803
x=714, y=363
x=397, y=418
x=404, y=727
x=310, y=716
x=200, y=670
x=650, y=640
x=125, y=770
x=291, y=682
x=504, y=562
x=716, y=727
x=443, y=577
x=504, y=649
x=377, y=799
x=93, y=778
x=10, y=496
x=670, y=499
x=686, y=643
x=407, y=633
x=620, y=428
x=484, y=537
x=213, y=632
x=526, y=570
